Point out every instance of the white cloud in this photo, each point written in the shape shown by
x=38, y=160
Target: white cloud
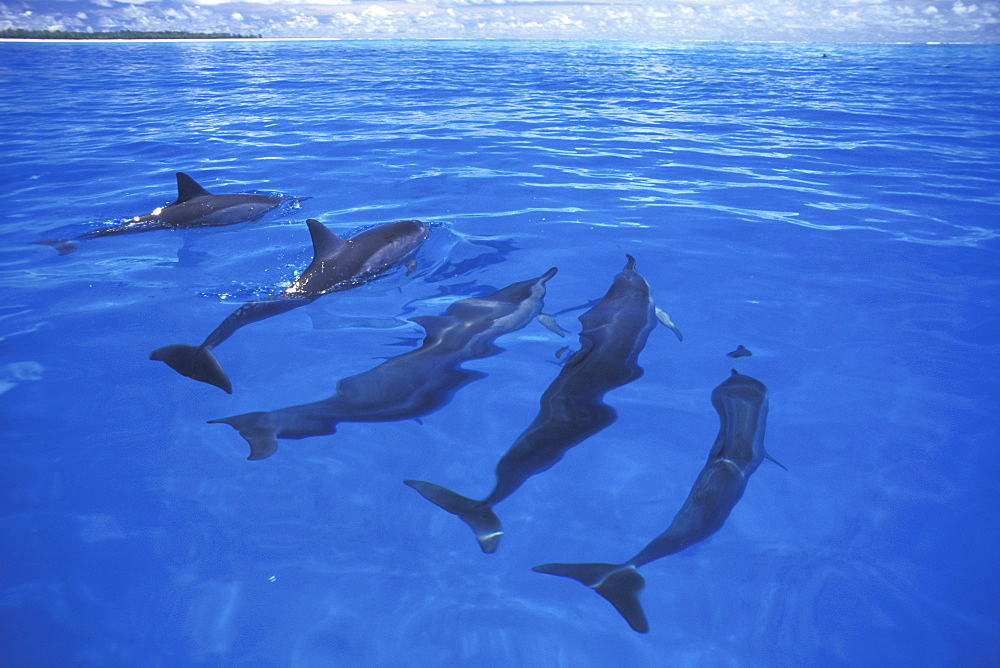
x=892, y=20
x=376, y=11
x=276, y=3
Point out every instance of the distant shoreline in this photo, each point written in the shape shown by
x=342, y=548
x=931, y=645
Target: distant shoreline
x=121, y=40
x=25, y=35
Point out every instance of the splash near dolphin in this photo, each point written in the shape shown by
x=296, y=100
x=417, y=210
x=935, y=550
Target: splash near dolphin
x=572, y=409
x=741, y=402
x=194, y=207
x=337, y=265
x=412, y=384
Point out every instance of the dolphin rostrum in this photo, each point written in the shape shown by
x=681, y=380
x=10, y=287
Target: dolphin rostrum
x=572, y=409
x=337, y=265
x=194, y=207
x=741, y=402
x=412, y=384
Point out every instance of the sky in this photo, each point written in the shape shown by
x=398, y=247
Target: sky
x=797, y=20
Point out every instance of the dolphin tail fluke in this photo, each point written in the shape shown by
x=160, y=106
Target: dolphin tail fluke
x=64, y=246
x=196, y=362
x=261, y=436
x=620, y=585
x=478, y=515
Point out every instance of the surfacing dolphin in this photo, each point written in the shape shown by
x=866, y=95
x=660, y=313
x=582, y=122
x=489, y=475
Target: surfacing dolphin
x=741, y=402
x=194, y=207
x=414, y=383
x=337, y=265
x=572, y=409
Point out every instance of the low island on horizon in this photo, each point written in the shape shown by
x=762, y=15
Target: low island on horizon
x=22, y=33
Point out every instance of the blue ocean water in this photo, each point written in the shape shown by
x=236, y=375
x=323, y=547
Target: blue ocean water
x=833, y=208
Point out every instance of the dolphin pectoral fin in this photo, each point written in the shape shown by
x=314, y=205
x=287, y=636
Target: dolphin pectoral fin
x=261, y=436
x=550, y=322
x=64, y=246
x=769, y=457
x=411, y=266
x=478, y=515
x=665, y=320
x=619, y=585
x=196, y=362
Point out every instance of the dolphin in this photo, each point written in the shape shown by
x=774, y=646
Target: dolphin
x=741, y=402
x=572, y=409
x=337, y=265
x=194, y=207
x=412, y=384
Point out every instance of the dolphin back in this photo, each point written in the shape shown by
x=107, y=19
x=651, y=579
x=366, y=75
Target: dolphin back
x=619, y=585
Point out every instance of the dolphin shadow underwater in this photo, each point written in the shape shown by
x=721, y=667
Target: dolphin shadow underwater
x=337, y=265
x=572, y=409
x=412, y=384
x=194, y=207
x=741, y=402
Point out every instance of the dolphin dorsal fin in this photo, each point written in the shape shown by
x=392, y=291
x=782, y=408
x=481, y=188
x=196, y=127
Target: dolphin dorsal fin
x=324, y=241
x=188, y=188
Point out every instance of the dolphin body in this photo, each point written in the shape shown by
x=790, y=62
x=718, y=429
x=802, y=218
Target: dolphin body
x=572, y=409
x=741, y=402
x=412, y=384
x=337, y=265
x=194, y=207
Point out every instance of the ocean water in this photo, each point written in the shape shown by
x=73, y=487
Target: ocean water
x=834, y=208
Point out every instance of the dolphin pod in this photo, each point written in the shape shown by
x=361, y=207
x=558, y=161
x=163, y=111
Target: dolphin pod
x=572, y=409
x=414, y=383
x=194, y=207
x=615, y=330
x=337, y=265
x=741, y=402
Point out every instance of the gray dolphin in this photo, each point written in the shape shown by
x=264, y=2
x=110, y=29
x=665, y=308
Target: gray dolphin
x=194, y=207
x=741, y=402
x=572, y=409
x=337, y=265
x=414, y=383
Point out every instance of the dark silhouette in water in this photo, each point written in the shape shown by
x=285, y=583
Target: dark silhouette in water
x=194, y=207
x=740, y=352
x=338, y=265
x=572, y=408
x=741, y=402
x=414, y=383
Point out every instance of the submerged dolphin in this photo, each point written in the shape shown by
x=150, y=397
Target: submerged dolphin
x=337, y=265
x=414, y=383
x=194, y=207
x=741, y=402
x=572, y=409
